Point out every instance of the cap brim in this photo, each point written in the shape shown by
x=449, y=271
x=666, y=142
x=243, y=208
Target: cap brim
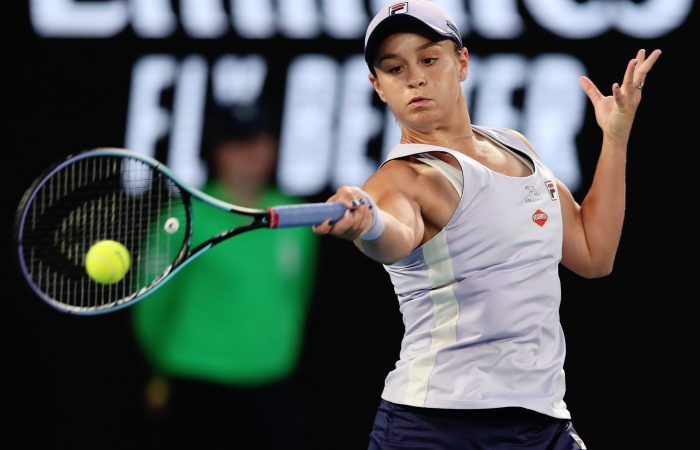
x=399, y=23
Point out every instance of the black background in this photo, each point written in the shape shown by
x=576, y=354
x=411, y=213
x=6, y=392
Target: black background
x=75, y=382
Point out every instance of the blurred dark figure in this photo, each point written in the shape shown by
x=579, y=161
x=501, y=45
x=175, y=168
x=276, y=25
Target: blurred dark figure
x=224, y=336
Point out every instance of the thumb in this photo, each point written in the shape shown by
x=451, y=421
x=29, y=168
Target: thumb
x=590, y=88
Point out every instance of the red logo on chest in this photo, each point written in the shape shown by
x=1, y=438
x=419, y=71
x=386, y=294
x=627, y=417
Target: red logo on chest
x=539, y=217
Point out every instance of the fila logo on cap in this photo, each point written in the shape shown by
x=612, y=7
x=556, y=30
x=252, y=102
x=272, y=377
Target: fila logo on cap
x=398, y=8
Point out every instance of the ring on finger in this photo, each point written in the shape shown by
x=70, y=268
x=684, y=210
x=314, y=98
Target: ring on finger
x=637, y=85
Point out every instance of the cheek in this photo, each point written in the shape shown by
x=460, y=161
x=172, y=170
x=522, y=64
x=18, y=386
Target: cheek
x=446, y=87
x=392, y=94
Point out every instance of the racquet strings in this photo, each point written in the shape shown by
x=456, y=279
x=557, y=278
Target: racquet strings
x=91, y=199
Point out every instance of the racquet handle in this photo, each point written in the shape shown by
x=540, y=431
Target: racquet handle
x=305, y=214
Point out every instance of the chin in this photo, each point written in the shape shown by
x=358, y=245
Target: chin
x=421, y=120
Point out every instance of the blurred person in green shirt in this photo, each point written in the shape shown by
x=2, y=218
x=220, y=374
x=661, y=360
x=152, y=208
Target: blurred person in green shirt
x=224, y=336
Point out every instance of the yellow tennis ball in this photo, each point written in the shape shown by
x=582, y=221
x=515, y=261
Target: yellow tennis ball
x=107, y=262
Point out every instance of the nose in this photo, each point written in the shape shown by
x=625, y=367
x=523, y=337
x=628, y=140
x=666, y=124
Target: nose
x=416, y=77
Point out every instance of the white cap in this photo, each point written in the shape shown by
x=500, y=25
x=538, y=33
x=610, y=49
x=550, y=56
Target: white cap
x=422, y=17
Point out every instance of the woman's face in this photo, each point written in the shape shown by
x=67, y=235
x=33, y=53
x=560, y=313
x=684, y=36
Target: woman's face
x=419, y=79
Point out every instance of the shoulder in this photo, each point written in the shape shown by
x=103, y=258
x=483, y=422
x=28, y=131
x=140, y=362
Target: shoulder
x=516, y=133
x=406, y=173
x=397, y=170
x=409, y=179
x=396, y=178
x=521, y=137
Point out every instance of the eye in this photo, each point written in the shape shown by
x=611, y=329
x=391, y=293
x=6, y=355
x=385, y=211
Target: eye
x=395, y=69
x=429, y=60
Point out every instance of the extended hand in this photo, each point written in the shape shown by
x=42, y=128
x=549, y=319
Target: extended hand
x=615, y=113
x=358, y=218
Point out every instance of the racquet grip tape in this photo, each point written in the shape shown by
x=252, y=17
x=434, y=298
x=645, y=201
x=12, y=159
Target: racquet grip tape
x=305, y=214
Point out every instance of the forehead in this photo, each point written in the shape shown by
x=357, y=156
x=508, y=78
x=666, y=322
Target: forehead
x=406, y=42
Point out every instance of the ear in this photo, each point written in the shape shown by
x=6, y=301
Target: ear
x=377, y=88
x=463, y=59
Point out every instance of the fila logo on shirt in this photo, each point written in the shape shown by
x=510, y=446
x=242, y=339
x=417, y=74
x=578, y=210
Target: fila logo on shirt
x=539, y=217
x=552, y=189
x=399, y=8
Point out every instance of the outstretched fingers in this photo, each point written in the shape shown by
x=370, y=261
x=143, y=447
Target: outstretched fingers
x=644, y=66
x=617, y=94
x=628, y=79
x=637, y=77
x=590, y=88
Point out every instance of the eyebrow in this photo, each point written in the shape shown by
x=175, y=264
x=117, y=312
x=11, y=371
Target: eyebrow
x=391, y=55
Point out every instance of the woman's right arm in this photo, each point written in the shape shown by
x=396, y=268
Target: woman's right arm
x=393, y=190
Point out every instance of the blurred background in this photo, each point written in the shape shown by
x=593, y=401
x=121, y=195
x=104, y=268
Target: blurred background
x=139, y=74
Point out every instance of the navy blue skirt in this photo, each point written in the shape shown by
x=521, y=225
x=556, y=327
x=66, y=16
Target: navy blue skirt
x=404, y=427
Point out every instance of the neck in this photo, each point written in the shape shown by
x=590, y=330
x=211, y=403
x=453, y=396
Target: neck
x=456, y=141
x=453, y=131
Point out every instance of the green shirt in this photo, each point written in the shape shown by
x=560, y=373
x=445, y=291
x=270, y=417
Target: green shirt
x=237, y=313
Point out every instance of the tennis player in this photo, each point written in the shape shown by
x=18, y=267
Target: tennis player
x=471, y=226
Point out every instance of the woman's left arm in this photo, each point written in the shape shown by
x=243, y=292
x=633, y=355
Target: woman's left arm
x=592, y=230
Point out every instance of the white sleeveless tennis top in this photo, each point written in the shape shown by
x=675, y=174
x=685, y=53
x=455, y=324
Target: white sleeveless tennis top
x=480, y=300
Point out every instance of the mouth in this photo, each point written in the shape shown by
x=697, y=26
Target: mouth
x=418, y=101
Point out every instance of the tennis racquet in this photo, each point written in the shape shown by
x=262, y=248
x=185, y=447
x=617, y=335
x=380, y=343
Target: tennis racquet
x=117, y=194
